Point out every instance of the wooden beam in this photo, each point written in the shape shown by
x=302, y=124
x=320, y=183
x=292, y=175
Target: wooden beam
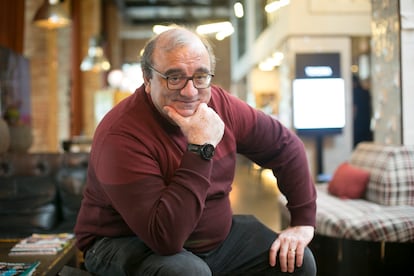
x=76, y=107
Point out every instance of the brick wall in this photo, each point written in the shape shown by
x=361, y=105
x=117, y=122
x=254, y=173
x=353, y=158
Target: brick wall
x=49, y=55
x=49, y=52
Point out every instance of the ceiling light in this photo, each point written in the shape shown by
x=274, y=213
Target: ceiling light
x=157, y=29
x=221, y=29
x=95, y=60
x=278, y=56
x=226, y=28
x=238, y=10
x=274, y=6
x=225, y=33
x=51, y=15
x=272, y=62
x=265, y=66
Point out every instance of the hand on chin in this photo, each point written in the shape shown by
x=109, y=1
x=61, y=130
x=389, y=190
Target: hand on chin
x=174, y=112
x=185, y=112
x=185, y=109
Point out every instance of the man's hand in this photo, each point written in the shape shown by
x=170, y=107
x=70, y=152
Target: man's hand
x=291, y=244
x=204, y=126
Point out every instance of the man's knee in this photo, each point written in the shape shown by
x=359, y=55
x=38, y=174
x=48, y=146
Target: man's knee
x=309, y=265
x=190, y=269
x=182, y=264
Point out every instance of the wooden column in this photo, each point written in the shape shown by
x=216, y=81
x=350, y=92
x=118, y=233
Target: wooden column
x=52, y=51
x=76, y=109
x=12, y=24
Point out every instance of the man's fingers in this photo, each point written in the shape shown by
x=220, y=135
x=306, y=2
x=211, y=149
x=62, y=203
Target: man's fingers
x=300, y=252
x=204, y=126
x=177, y=118
x=291, y=258
x=291, y=244
x=180, y=120
x=273, y=252
x=283, y=258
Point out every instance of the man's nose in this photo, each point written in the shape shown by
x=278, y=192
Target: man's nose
x=189, y=90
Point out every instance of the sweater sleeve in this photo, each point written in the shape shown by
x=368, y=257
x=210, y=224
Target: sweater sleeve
x=162, y=212
x=267, y=142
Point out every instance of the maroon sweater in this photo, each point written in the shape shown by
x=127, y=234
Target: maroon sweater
x=142, y=181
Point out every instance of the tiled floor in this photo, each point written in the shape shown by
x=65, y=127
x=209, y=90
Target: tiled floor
x=255, y=192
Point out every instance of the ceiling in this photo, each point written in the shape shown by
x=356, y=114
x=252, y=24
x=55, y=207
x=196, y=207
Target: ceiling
x=187, y=12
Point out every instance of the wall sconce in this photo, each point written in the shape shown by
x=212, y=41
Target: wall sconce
x=95, y=60
x=52, y=15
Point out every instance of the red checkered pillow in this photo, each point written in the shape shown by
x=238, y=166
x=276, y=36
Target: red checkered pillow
x=349, y=181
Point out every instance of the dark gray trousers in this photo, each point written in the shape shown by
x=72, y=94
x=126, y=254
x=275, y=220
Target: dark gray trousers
x=244, y=252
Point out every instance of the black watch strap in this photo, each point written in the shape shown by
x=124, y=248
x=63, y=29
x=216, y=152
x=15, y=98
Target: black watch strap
x=206, y=151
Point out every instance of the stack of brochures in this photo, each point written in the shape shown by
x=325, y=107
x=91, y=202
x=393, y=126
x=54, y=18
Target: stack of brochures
x=17, y=269
x=41, y=244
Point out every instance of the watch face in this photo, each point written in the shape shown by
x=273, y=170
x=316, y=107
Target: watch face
x=207, y=151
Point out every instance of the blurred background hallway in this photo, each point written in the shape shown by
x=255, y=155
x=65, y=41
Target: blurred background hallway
x=255, y=192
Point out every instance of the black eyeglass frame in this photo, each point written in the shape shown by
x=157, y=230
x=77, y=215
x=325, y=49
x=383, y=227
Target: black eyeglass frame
x=167, y=78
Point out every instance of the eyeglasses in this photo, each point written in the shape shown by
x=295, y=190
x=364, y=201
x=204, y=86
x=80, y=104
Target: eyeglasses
x=177, y=81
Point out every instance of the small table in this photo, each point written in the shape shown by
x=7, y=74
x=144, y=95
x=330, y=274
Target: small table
x=49, y=265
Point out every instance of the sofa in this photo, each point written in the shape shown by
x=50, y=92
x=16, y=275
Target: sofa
x=365, y=214
x=40, y=192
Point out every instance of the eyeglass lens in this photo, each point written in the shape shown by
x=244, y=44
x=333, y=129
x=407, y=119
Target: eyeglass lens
x=177, y=82
x=200, y=81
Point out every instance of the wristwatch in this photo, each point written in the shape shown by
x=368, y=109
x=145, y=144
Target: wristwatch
x=206, y=151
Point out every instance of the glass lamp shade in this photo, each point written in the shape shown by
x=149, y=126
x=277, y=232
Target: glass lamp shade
x=51, y=15
x=95, y=60
x=115, y=78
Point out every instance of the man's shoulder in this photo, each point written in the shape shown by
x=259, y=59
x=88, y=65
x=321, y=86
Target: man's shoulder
x=220, y=96
x=218, y=90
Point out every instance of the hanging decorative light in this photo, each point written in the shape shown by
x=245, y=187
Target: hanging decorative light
x=96, y=60
x=52, y=15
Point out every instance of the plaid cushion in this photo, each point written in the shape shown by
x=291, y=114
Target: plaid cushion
x=360, y=219
x=392, y=172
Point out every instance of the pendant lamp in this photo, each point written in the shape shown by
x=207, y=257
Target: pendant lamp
x=52, y=15
x=96, y=60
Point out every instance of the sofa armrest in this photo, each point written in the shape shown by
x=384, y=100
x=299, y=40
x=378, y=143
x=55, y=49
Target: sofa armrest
x=27, y=193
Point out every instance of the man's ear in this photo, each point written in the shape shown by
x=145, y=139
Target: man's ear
x=147, y=84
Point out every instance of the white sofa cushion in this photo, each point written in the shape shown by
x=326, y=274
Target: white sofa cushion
x=359, y=219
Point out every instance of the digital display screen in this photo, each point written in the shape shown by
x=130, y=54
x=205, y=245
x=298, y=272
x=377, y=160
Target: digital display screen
x=318, y=105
